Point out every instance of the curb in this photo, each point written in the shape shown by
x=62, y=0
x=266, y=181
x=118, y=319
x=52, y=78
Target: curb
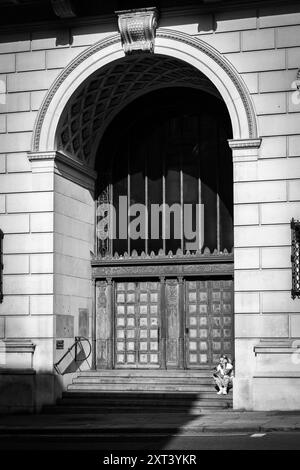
x=59, y=431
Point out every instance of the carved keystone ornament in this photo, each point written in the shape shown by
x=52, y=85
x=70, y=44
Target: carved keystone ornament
x=137, y=29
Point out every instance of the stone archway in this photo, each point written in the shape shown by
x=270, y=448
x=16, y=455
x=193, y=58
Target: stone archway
x=192, y=51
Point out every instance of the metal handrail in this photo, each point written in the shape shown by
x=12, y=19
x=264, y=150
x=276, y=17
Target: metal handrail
x=78, y=339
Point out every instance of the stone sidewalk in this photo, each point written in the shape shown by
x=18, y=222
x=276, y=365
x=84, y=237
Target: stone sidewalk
x=176, y=423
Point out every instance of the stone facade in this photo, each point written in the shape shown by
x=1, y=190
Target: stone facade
x=47, y=204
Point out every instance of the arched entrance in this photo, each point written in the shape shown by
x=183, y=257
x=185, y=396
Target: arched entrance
x=171, y=273
x=86, y=99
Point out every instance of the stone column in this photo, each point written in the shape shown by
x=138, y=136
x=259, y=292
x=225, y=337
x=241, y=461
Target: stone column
x=70, y=224
x=246, y=259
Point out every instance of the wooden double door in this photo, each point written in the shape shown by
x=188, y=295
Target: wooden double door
x=138, y=324
x=164, y=323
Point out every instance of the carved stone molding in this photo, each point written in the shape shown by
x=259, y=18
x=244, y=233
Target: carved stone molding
x=244, y=149
x=164, y=270
x=276, y=346
x=61, y=158
x=137, y=29
x=244, y=143
x=17, y=353
x=58, y=163
x=63, y=8
x=205, y=256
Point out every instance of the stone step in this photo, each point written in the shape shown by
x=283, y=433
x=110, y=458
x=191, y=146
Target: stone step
x=138, y=391
x=140, y=399
x=142, y=394
x=140, y=387
x=184, y=381
x=146, y=373
x=136, y=409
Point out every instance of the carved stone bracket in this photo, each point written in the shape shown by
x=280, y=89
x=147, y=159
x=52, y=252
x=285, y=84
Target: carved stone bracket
x=137, y=28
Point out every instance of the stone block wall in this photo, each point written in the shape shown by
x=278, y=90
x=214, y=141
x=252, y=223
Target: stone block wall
x=74, y=243
x=266, y=195
x=47, y=218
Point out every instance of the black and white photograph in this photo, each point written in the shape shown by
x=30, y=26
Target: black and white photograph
x=149, y=231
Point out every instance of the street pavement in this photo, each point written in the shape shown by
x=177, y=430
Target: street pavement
x=151, y=443
x=162, y=423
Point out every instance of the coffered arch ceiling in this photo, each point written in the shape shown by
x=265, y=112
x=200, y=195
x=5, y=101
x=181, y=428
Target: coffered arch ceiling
x=110, y=89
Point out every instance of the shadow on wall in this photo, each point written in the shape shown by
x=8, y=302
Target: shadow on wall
x=217, y=18
x=210, y=18
x=26, y=391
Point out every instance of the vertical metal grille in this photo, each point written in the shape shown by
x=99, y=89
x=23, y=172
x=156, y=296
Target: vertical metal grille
x=295, y=258
x=184, y=162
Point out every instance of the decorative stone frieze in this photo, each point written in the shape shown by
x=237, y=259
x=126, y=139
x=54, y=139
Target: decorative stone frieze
x=137, y=29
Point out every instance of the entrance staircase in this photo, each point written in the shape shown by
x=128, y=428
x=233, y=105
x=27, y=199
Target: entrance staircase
x=141, y=391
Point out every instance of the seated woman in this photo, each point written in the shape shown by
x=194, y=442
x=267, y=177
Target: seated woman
x=223, y=375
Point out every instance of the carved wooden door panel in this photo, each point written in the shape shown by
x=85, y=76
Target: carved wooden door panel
x=209, y=322
x=137, y=324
